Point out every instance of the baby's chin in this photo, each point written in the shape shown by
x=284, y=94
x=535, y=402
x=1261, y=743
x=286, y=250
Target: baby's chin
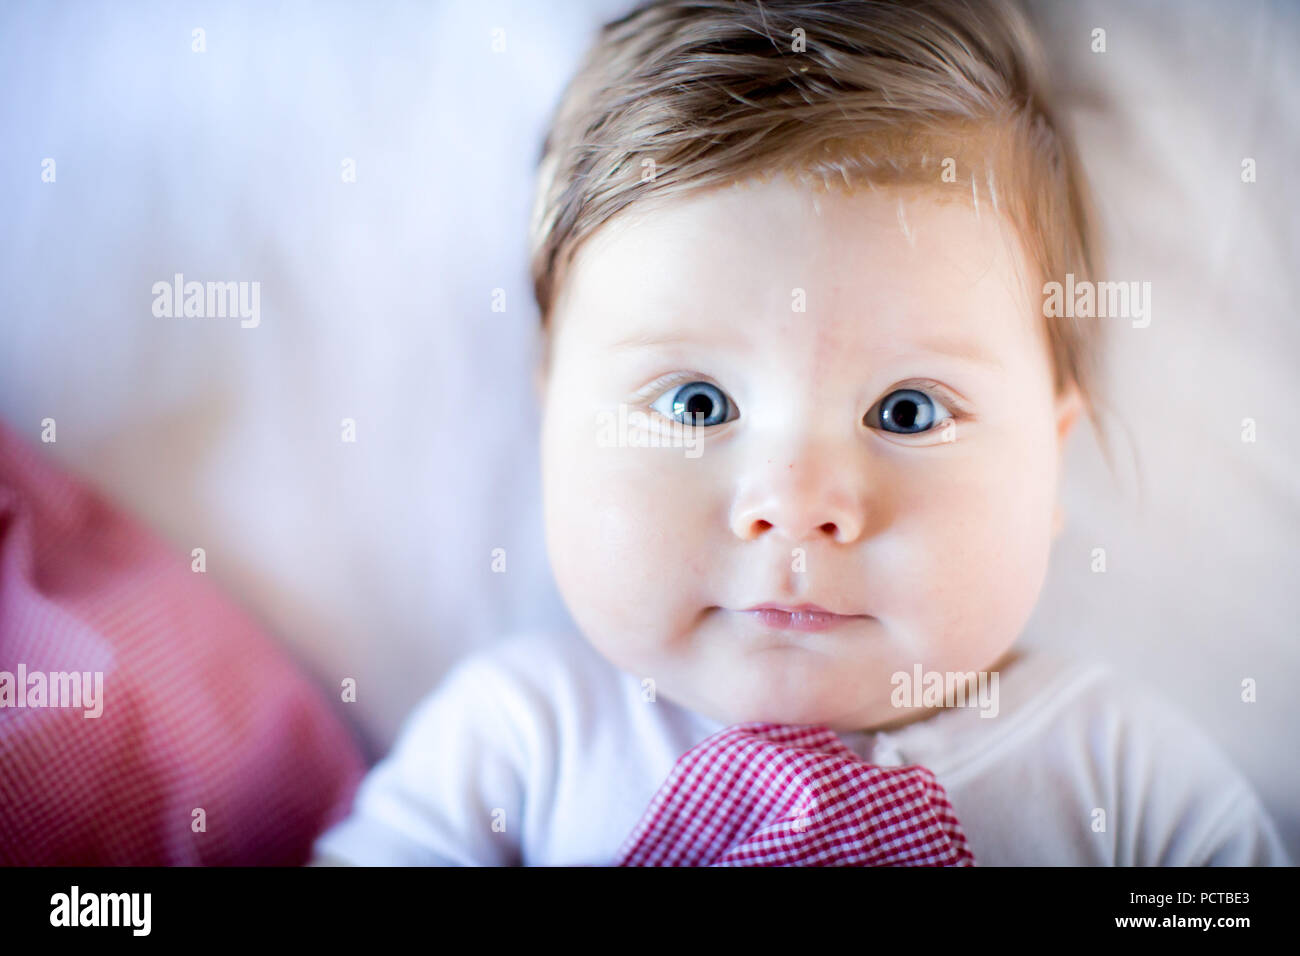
x=785, y=691
x=840, y=680
x=795, y=711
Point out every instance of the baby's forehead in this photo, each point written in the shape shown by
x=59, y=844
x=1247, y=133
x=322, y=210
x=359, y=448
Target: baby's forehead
x=737, y=263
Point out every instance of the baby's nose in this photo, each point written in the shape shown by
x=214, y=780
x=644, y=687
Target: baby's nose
x=800, y=502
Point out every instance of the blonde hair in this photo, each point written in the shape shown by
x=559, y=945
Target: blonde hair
x=842, y=94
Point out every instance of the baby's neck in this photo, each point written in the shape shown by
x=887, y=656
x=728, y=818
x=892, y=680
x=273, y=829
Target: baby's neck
x=914, y=715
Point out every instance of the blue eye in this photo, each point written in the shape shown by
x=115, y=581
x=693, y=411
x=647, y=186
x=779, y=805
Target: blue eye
x=695, y=403
x=906, y=411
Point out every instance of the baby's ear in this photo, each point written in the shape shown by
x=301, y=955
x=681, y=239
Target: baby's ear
x=1069, y=405
x=541, y=371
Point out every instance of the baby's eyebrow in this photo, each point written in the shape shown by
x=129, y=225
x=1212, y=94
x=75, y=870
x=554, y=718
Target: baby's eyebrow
x=653, y=339
x=966, y=350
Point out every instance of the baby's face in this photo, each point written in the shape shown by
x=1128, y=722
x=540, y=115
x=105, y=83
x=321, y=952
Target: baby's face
x=878, y=436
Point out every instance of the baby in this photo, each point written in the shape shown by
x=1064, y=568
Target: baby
x=804, y=414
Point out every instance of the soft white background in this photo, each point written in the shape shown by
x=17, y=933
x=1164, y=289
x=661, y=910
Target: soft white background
x=373, y=560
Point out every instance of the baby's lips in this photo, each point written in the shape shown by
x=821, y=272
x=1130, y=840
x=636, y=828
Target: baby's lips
x=807, y=608
x=802, y=617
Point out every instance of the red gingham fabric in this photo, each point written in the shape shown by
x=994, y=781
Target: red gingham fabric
x=200, y=708
x=760, y=794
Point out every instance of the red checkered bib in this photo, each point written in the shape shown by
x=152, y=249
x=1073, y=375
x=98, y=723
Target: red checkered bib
x=760, y=794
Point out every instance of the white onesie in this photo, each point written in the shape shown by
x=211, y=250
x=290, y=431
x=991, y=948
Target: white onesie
x=537, y=751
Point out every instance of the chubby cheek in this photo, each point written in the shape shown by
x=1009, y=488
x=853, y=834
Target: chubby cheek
x=971, y=552
x=626, y=533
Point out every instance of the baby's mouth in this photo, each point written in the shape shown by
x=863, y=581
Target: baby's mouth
x=804, y=617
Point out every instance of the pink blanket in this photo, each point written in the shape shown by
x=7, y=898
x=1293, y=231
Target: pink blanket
x=210, y=747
